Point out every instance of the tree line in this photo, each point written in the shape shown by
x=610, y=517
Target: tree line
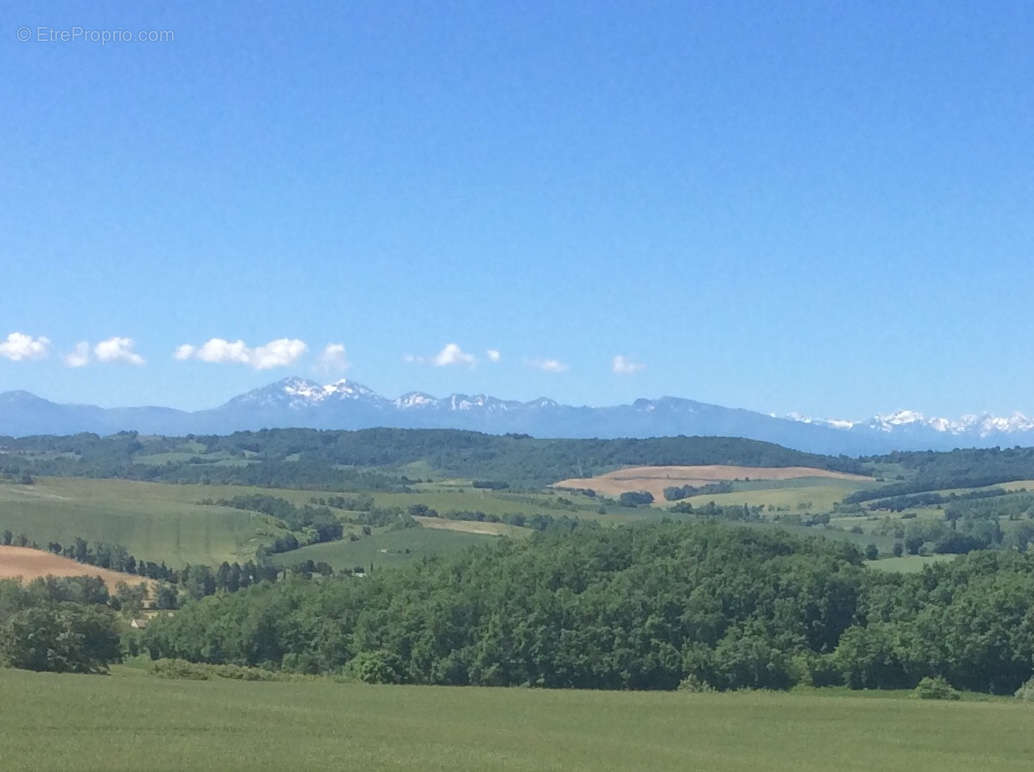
x=646, y=607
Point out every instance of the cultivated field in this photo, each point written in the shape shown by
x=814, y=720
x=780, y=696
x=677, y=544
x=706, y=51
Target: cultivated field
x=28, y=564
x=154, y=521
x=656, y=478
x=132, y=721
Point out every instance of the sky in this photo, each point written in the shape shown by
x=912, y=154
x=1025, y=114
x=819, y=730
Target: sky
x=823, y=208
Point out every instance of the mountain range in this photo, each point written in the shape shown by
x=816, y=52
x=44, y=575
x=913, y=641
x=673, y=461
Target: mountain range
x=344, y=404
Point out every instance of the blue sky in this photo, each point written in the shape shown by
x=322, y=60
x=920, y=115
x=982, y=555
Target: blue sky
x=815, y=207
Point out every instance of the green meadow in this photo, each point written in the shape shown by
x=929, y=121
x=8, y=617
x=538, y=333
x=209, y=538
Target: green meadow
x=154, y=521
x=382, y=548
x=802, y=495
x=131, y=720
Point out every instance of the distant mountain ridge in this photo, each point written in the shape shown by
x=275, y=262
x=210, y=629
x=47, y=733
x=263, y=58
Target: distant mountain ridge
x=345, y=404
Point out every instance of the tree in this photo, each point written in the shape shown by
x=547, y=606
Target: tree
x=131, y=598
x=635, y=498
x=871, y=552
x=165, y=597
x=61, y=637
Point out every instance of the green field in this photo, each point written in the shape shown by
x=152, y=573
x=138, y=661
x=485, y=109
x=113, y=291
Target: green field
x=154, y=521
x=132, y=721
x=452, y=497
x=383, y=548
x=908, y=564
x=818, y=496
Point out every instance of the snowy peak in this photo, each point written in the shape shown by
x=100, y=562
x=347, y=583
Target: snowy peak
x=901, y=418
x=415, y=399
x=912, y=421
x=346, y=389
x=301, y=393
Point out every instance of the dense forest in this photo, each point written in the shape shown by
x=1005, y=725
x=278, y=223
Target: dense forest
x=930, y=471
x=704, y=606
x=371, y=459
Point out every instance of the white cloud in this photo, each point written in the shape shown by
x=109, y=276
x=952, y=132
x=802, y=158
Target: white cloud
x=19, y=346
x=277, y=353
x=622, y=365
x=79, y=356
x=117, y=350
x=334, y=358
x=452, y=354
x=217, y=351
x=547, y=365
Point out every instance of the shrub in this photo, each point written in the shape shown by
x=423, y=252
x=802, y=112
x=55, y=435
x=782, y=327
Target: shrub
x=1026, y=692
x=695, y=685
x=179, y=669
x=193, y=671
x=377, y=667
x=936, y=688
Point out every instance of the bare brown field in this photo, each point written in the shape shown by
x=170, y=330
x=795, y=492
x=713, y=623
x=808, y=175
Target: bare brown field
x=656, y=478
x=28, y=564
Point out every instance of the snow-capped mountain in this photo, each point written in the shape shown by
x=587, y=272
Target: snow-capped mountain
x=345, y=404
x=972, y=428
x=301, y=394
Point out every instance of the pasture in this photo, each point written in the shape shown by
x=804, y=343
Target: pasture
x=130, y=720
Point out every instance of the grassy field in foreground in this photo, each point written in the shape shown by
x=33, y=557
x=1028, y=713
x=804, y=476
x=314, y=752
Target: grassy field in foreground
x=132, y=721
